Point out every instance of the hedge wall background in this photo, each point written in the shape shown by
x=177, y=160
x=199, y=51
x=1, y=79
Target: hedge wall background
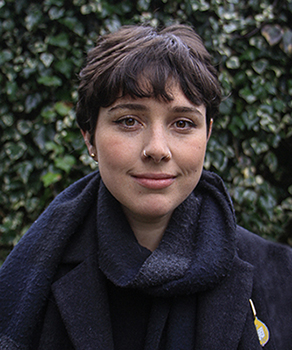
x=43, y=46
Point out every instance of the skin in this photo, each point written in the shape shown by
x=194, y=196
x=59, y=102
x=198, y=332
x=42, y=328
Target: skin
x=173, y=135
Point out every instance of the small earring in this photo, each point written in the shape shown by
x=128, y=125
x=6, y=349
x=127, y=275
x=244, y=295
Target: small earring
x=92, y=155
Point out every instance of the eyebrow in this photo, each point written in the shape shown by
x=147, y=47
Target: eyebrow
x=133, y=106
x=141, y=107
x=185, y=109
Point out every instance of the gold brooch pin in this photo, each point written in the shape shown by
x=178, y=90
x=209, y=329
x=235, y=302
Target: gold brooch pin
x=261, y=328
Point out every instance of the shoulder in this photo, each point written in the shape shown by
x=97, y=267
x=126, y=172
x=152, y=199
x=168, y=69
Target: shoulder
x=270, y=259
x=35, y=259
x=66, y=211
x=252, y=246
x=77, y=189
x=272, y=283
x=69, y=207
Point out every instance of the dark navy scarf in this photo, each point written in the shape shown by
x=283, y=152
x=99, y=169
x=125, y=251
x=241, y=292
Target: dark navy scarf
x=196, y=251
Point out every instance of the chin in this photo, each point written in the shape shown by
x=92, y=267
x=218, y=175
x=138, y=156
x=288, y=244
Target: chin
x=155, y=212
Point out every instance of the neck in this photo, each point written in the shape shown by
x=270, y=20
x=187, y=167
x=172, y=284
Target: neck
x=148, y=231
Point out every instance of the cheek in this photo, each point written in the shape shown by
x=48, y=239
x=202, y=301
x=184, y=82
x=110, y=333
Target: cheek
x=112, y=154
x=192, y=157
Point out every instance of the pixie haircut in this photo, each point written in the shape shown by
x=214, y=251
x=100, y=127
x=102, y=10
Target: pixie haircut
x=141, y=62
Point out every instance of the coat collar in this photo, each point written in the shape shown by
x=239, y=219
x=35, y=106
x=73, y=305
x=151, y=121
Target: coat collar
x=82, y=291
x=82, y=301
x=221, y=312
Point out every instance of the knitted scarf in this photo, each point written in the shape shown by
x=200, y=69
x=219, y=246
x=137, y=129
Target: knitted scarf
x=196, y=251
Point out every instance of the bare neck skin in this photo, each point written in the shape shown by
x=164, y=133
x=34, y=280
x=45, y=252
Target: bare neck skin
x=148, y=232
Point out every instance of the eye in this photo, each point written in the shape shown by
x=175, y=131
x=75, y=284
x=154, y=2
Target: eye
x=184, y=124
x=127, y=122
x=181, y=124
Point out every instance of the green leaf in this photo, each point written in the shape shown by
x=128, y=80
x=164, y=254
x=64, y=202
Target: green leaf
x=65, y=67
x=60, y=40
x=51, y=178
x=287, y=42
x=267, y=203
x=7, y=119
x=32, y=101
x=5, y=56
x=233, y=62
x=73, y=24
x=50, y=81
x=249, y=195
x=271, y=161
x=11, y=90
x=15, y=150
x=65, y=163
x=226, y=106
x=47, y=59
x=219, y=160
x=143, y=5
x=42, y=134
x=62, y=108
x=31, y=204
x=258, y=147
x=247, y=95
x=272, y=33
x=49, y=114
x=33, y=18
x=230, y=27
x=24, y=126
x=87, y=9
x=56, y=13
x=260, y=66
x=24, y=170
x=58, y=3
x=53, y=146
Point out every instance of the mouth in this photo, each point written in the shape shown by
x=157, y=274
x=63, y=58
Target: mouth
x=154, y=181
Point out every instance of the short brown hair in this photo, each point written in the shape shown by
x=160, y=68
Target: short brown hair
x=122, y=61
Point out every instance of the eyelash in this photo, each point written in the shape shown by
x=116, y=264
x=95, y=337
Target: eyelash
x=124, y=120
x=187, y=123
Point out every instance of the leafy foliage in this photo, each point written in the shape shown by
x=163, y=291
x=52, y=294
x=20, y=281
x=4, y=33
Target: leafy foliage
x=42, y=50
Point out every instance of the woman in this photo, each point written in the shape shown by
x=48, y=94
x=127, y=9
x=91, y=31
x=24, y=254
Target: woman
x=146, y=253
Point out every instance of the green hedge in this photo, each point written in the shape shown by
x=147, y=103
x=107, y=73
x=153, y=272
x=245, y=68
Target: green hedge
x=43, y=46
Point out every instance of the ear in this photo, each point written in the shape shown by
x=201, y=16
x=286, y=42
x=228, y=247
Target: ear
x=210, y=129
x=91, y=148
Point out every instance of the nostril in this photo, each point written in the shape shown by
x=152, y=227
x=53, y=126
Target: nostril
x=156, y=157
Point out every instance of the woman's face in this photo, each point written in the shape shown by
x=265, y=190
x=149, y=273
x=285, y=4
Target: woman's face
x=151, y=152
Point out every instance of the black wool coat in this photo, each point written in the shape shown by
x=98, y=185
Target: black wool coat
x=53, y=292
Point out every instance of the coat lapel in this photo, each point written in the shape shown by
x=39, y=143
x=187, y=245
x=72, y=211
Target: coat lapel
x=157, y=322
x=82, y=293
x=223, y=311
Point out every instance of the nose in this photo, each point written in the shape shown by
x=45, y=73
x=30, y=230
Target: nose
x=156, y=145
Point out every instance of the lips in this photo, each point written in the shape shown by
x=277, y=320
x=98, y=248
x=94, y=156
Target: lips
x=154, y=181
